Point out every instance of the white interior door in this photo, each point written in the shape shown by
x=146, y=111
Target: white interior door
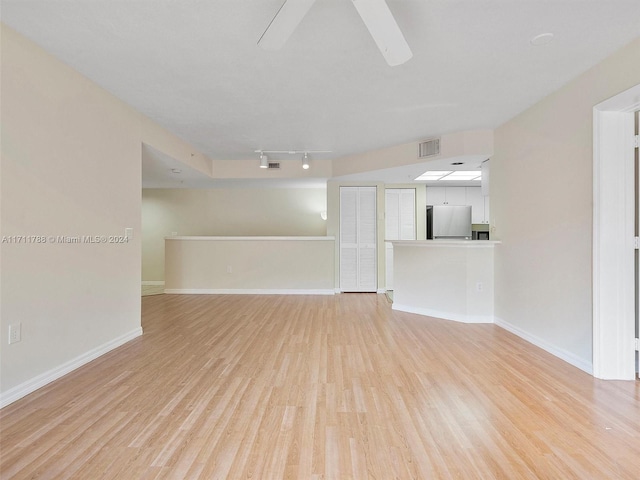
x=348, y=239
x=400, y=223
x=367, y=248
x=358, y=250
x=407, y=214
x=391, y=230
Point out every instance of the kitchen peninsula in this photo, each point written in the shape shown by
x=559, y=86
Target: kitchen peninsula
x=450, y=279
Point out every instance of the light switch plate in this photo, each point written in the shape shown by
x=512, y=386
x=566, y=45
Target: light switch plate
x=15, y=333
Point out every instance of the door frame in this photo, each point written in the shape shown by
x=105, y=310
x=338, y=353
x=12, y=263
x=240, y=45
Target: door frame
x=613, y=236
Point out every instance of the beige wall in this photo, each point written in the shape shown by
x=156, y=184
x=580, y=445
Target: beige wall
x=225, y=212
x=71, y=166
x=541, y=208
x=250, y=265
x=440, y=279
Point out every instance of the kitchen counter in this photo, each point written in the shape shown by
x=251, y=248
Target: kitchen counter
x=449, y=279
x=440, y=242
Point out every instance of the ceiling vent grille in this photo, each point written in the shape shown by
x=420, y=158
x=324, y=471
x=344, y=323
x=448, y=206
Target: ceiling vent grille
x=274, y=165
x=429, y=148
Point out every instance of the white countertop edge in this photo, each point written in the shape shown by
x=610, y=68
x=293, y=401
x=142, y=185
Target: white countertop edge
x=250, y=238
x=445, y=243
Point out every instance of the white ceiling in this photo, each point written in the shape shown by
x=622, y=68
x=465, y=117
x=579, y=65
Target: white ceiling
x=195, y=68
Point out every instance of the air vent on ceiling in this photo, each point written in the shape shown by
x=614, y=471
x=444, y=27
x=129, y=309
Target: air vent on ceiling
x=429, y=148
x=274, y=165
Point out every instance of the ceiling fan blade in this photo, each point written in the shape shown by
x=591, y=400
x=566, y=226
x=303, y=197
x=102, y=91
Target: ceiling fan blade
x=385, y=31
x=284, y=23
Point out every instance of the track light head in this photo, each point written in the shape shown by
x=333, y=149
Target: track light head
x=305, y=161
x=264, y=161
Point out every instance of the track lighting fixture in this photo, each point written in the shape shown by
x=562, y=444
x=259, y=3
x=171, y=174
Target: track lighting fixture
x=264, y=161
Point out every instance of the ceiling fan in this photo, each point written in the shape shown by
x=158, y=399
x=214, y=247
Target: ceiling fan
x=374, y=13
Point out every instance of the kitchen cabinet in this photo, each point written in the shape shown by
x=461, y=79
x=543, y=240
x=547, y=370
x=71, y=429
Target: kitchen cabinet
x=446, y=196
x=436, y=196
x=461, y=196
x=358, y=250
x=479, y=205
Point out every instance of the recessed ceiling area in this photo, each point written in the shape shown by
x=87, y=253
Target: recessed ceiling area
x=450, y=176
x=160, y=170
x=196, y=69
x=408, y=173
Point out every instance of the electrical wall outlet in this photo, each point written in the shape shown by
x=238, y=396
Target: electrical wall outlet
x=229, y=269
x=479, y=287
x=15, y=333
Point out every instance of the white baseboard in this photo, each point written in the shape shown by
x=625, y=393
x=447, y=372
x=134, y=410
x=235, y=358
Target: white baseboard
x=552, y=349
x=45, y=378
x=152, y=282
x=444, y=315
x=377, y=291
x=248, y=291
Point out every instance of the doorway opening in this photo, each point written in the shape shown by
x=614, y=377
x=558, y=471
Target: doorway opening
x=614, y=224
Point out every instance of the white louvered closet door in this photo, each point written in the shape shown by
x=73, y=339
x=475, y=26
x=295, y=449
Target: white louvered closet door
x=407, y=214
x=400, y=223
x=391, y=231
x=358, y=252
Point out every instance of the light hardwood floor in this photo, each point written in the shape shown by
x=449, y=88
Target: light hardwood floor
x=321, y=387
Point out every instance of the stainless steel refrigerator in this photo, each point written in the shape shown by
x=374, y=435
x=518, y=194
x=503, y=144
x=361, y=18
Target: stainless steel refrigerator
x=449, y=221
